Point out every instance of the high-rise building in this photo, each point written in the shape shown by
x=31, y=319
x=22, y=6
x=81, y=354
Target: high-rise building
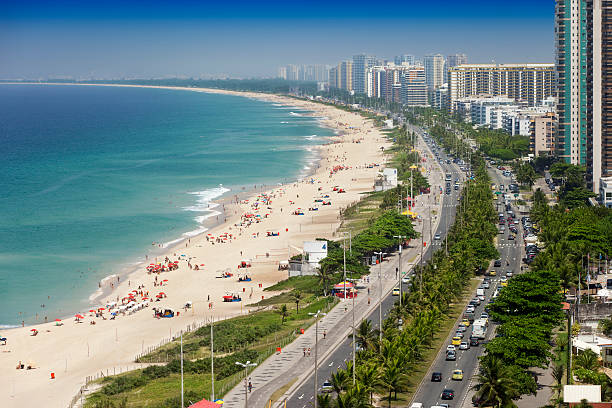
x=456, y=59
x=405, y=59
x=413, y=87
x=583, y=40
x=282, y=73
x=346, y=75
x=528, y=83
x=361, y=63
x=542, y=134
x=333, y=77
x=434, y=71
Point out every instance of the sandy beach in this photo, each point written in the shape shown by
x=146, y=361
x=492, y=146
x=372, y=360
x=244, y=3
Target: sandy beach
x=263, y=229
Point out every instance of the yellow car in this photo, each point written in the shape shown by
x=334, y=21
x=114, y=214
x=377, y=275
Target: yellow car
x=396, y=292
x=456, y=341
x=458, y=375
x=491, y=273
x=465, y=322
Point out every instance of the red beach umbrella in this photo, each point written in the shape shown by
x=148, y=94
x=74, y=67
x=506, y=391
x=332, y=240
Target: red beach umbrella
x=165, y=280
x=58, y=320
x=91, y=310
x=78, y=316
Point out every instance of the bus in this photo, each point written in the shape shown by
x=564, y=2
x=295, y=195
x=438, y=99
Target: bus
x=479, y=328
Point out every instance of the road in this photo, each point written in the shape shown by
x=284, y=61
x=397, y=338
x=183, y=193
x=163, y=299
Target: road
x=467, y=360
x=303, y=395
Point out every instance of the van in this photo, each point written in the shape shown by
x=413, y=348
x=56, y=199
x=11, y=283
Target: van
x=480, y=292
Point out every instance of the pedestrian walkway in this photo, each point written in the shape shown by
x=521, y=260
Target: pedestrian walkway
x=290, y=365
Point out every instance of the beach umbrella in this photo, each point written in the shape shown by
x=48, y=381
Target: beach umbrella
x=58, y=320
x=33, y=330
x=165, y=280
x=91, y=310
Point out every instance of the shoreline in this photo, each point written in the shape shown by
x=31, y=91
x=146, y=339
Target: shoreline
x=80, y=350
x=131, y=264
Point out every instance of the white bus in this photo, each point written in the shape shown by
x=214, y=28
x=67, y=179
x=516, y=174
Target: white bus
x=479, y=328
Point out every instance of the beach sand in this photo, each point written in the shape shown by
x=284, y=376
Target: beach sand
x=74, y=350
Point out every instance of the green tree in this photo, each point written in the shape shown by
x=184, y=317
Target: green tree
x=368, y=376
x=494, y=382
x=297, y=297
x=284, y=312
x=588, y=360
x=366, y=336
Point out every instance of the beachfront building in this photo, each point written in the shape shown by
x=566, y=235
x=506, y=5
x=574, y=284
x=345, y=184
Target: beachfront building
x=525, y=83
x=333, y=77
x=583, y=41
x=346, y=75
x=455, y=60
x=434, y=71
x=440, y=98
x=311, y=73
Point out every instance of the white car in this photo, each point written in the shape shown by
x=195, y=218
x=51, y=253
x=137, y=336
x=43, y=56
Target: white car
x=450, y=347
x=470, y=309
x=464, y=345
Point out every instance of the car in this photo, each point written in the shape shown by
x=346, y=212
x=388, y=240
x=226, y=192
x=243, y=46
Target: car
x=447, y=394
x=436, y=377
x=448, y=191
x=486, y=284
x=484, y=315
x=473, y=342
x=509, y=274
x=497, y=263
x=395, y=292
x=416, y=405
x=327, y=387
x=456, y=341
x=450, y=347
x=406, y=279
x=457, y=375
x=451, y=356
x=465, y=322
x=461, y=328
x=464, y=345
x=481, y=298
x=437, y=237
x=510, y=237
x=491, y=272
x=477, y=300
x=470, y=309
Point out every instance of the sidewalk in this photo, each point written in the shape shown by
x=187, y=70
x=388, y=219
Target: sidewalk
x=290, y=365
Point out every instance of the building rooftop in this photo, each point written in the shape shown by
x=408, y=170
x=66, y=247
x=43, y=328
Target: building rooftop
x=527, y=65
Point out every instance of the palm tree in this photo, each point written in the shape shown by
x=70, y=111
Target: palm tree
x=587, y=360
x=340, y=380
x=297, y=297
x=284, y=312
x=557, y=373
x=365, y=335
x=392, y=378
x=368, y=376
x=324, y=401
x=357, y=396
x=494, y=382
x=325, y=277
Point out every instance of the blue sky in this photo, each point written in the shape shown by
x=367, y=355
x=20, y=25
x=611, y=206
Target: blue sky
x=251, y=38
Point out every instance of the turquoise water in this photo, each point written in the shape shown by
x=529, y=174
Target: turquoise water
x=91, y=176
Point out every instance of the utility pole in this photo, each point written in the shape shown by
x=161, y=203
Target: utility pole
x=344, y=256
x=380, y=254
x=400, y=265
x=246, y=383
x=316, y=373
x=212, y=360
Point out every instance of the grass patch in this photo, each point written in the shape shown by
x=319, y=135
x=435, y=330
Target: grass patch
x=302, y=283
x=279, y=393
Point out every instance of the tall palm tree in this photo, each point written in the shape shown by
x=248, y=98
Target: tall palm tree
x=368, y=376
x=340, y=380
x=494, y=382
x=392, y=378
x=297, y=298
x=366, y=336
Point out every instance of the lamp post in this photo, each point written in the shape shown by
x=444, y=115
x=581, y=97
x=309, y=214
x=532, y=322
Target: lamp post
x=316, y=373
x=380, y=256
x=353, y=311
x=246, y=375
x=400, y=237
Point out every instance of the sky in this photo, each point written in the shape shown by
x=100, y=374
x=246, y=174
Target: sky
x=146, y=39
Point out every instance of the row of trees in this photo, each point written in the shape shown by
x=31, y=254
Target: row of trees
x=384, y=366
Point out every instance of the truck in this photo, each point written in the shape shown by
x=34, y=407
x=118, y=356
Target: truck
x=480, y=292
x=479, y=329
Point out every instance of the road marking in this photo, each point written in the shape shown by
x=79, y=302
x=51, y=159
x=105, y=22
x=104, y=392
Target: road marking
x=301, y=396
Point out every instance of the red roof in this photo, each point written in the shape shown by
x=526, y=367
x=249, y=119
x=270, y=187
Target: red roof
x=205, y=404
x=565, y=306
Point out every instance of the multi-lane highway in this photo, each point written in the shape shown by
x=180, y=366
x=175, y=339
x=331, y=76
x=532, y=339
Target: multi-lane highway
x=429, y=392
x=303, y=395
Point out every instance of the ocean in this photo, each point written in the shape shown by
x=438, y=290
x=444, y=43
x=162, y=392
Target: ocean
x=92, y=176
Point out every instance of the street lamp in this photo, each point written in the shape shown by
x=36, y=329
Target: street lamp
x=400, y=237
x=380, y=255
x=316, y=379
x=353, y=300
x=246, y=375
